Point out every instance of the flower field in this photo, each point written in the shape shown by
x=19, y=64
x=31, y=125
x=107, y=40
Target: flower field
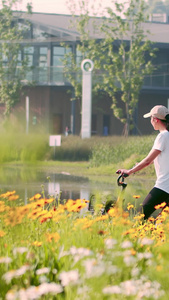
x=51, y=250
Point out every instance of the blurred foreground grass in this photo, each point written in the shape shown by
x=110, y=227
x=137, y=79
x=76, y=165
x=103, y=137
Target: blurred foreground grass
x=51, y=250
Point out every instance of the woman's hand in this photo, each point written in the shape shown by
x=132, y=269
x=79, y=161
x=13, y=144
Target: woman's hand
x=123, y=172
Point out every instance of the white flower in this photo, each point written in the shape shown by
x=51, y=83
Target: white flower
x=5, y=260
x=31, y=293
x=146, y=255
x=135, y=272
x=129, y=287
x=35, y=292
x=140, y=289
x=127, y=253
x=11, y=295
x=42, y=271
x=93, y=268
x=83, y=290
x=146, y=241
x=21, y=271
x=15, y=273
x=8, y=276
x=114, y=289
x=46, y=288
x=126, y=244
x=20, y=250
x=22, y=295
x=129, y=260
x=110, y=243
x=70, y=277
x=79, y=253
x=111, y=269
x=43, y=279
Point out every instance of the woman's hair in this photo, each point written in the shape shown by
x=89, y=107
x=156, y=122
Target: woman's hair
x=166, y=121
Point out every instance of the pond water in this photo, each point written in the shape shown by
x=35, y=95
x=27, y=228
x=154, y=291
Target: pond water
x=27, y=181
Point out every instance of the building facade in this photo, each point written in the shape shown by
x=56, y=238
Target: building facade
x=52, y=107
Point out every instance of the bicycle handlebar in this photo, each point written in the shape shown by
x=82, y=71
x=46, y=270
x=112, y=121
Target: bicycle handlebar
x=122, y=183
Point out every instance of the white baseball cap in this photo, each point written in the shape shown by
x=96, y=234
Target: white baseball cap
x=158, y=111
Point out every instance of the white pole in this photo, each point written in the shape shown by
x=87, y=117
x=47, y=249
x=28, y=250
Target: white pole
x=87, y=67
x=27, y=115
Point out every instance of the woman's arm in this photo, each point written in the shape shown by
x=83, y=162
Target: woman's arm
x=141, y=165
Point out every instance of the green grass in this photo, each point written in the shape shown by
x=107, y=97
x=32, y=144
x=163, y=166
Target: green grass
x=97, y=150
x=22, y=147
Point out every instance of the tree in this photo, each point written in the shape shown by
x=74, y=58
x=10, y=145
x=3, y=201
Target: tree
x=123, y=53
x=12, y=66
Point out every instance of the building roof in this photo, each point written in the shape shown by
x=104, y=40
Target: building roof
x=60, y=26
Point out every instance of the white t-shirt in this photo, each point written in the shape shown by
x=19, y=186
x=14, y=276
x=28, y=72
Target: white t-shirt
x=161, y=162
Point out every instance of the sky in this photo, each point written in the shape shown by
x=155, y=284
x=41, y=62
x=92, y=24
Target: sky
x=57, y=6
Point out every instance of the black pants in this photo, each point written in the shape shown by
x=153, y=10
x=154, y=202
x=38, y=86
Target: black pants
x=155, y=197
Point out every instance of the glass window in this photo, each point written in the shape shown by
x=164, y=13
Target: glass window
x=57, y=61
x=79, y=57
x=58, y=55
x=19, y=63
x=58, y=50
x=29, y=50
x=4, y=59
x=28, y=54
x=43, y=56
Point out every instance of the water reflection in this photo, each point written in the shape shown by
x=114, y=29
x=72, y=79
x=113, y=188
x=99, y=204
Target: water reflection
x=27, y=181
x=72, y=187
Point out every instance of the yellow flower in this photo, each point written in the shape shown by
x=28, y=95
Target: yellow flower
x=160, y=205
x=113, y=212
x=2, y=233
x=130, y=231
x=13, y=197
x=76, y=205
x=7, y=194
x=46, y=217
x=139, y=217
x=35, y=197
x=33, y=214
x=136, y=196
x=52, y=236
x=88, y=224
x=166, y=209
x=47, y=201
x=133, y=252
x=130, y=206
x=37, y=244
x=101, y=218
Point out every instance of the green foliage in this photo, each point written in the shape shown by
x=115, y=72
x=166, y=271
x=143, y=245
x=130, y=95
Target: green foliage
x=72, y=148
x=21, y=147
x=130, y=149
x=12, y=67
x=127, y=62
x=99, y=151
